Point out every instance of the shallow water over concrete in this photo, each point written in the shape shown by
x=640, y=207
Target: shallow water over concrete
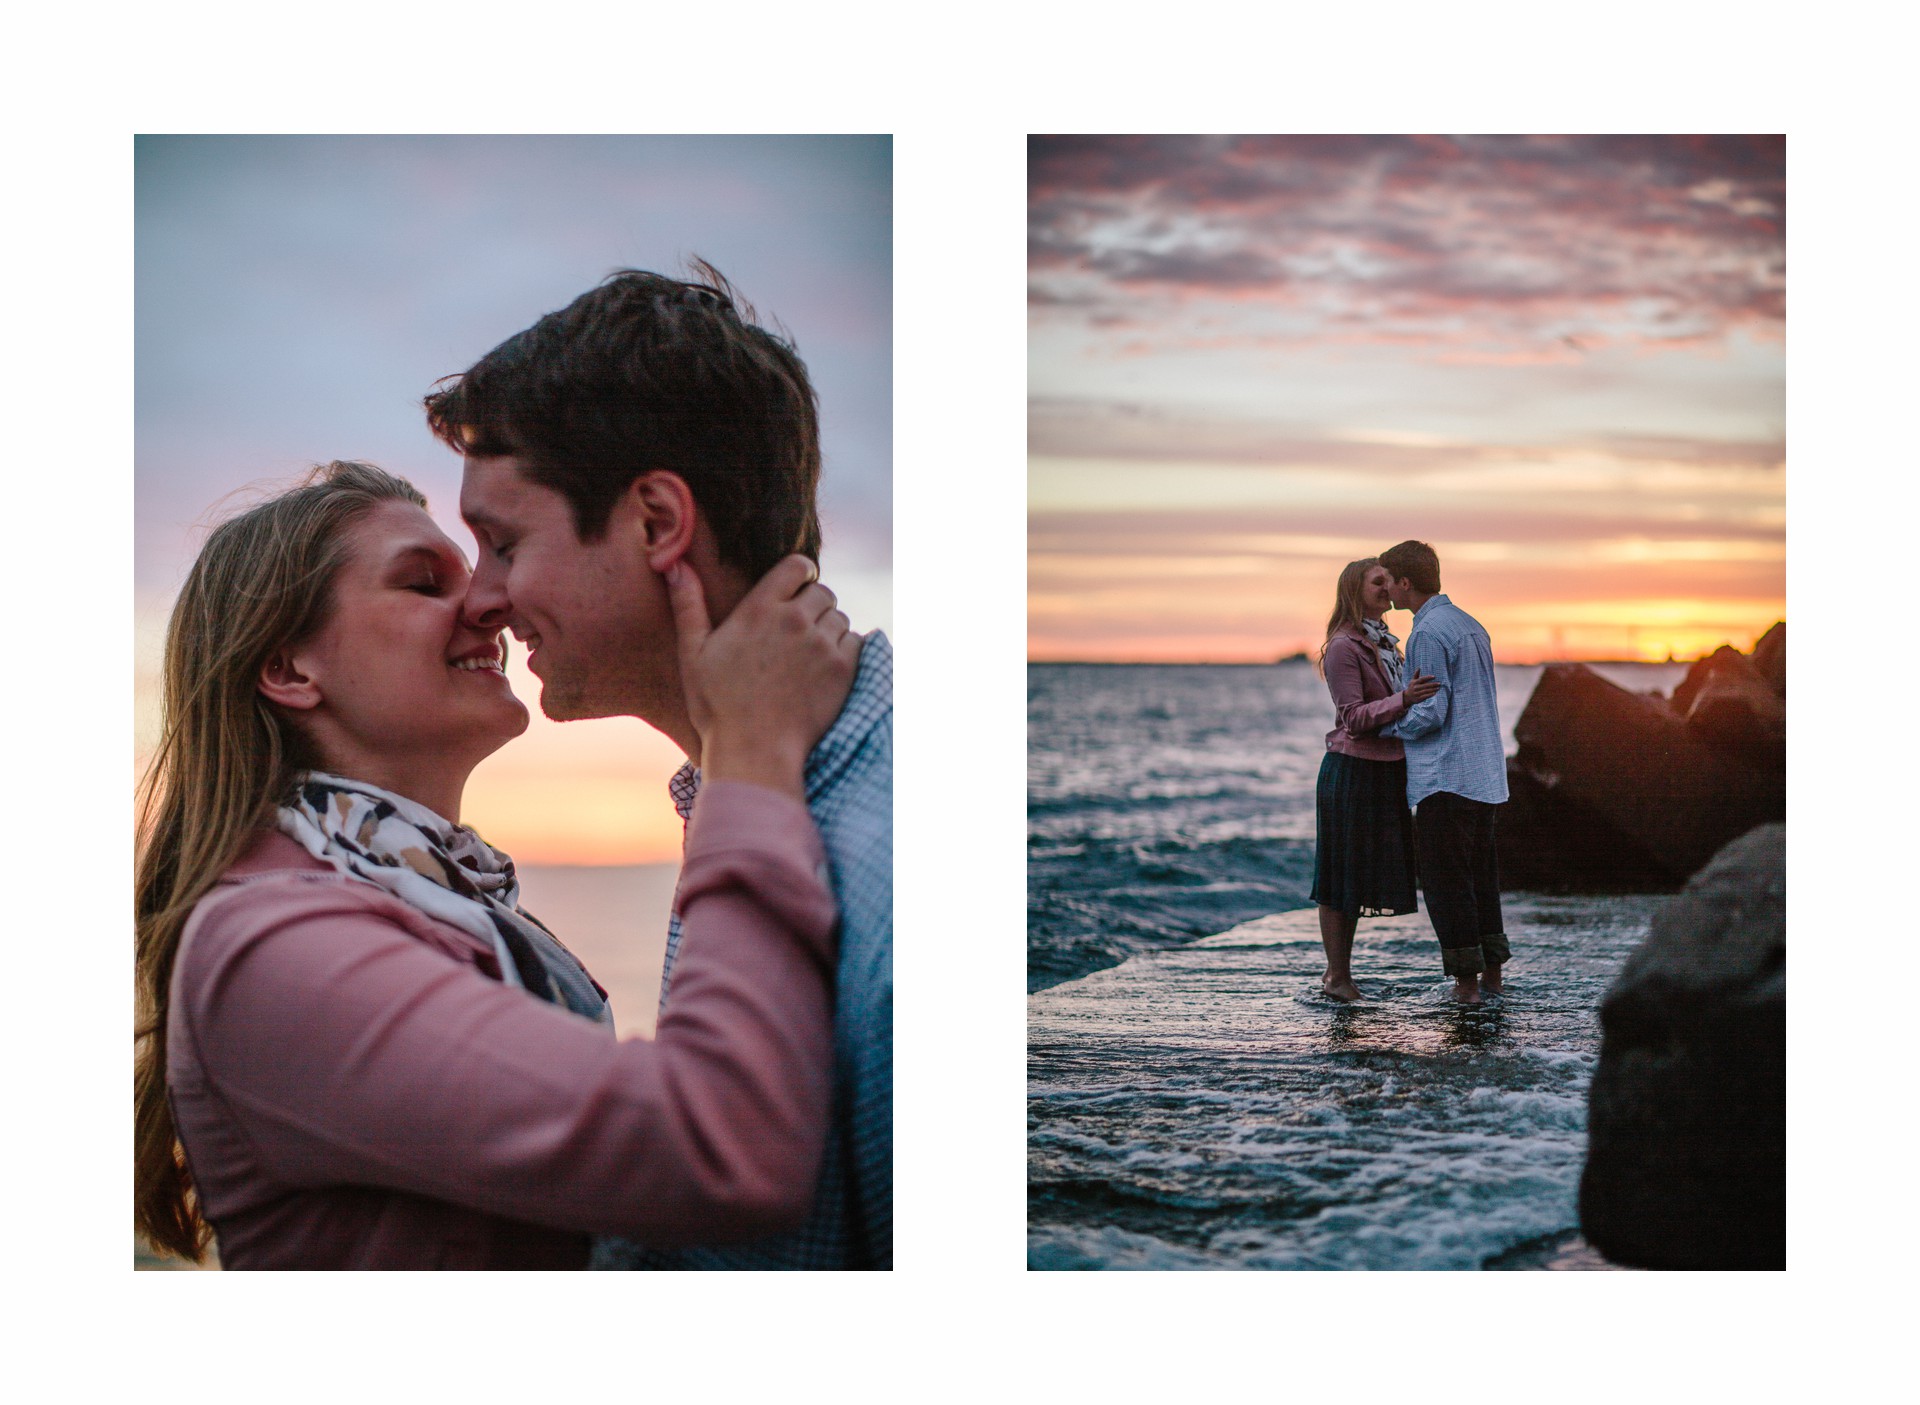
x=1206, y=1107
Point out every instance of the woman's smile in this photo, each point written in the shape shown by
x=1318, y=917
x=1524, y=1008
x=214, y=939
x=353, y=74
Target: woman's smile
x=490, y=659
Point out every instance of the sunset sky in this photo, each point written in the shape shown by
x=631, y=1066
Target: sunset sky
x=296, y=296
x=1560, y=360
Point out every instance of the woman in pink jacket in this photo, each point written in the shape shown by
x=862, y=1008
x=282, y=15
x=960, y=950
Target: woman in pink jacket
x=1363, y=850
x=355, y=1049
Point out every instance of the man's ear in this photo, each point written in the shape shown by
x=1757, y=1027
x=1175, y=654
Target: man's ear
x=284, y=681
x=661, y=508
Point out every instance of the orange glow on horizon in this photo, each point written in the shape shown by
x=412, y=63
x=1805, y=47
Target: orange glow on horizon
x=577, y=819
x=572, y=819
x=1646, y=631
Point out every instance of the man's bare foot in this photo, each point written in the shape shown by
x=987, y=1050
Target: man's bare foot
x=1490, y=980
x=1466, y=990
x=1342, y=989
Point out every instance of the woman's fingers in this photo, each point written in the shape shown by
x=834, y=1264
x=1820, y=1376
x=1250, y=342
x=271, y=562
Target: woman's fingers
x=689, y=601
x=789, y=576
x=789, y=581
x=813, y=601
x=793, y=584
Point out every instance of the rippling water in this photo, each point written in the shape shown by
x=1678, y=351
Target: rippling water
x=1194, y=1101
x=1206, y=1107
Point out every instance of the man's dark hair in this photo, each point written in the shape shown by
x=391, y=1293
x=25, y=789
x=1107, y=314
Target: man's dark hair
x=1417, y=562
x=646, y=373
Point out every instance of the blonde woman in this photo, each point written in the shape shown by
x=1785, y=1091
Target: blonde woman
x=356, y=1050
x=1363, y=831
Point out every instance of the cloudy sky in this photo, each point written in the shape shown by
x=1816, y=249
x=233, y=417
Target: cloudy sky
x=296, y=296
x=1253, y=359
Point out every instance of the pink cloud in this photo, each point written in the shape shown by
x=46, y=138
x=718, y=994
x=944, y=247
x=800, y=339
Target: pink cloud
x=1213, y=532
x=1099, y=429
x=1638, y=236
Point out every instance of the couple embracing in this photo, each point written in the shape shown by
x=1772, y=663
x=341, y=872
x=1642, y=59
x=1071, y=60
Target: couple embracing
x=1413, y=775
x=357, y=1049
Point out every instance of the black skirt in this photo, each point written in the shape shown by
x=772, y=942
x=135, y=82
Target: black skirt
x=1363, y=837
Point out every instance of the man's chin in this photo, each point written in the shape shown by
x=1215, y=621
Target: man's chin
x=564, y=704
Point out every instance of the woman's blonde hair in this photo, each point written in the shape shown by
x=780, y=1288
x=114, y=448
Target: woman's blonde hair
x=226, y=758
x=1348, y=609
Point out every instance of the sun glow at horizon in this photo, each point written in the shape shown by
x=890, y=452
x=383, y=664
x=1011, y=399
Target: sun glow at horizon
x=1607, y=643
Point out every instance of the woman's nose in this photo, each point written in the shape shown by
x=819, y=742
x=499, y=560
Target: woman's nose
x=486, y=605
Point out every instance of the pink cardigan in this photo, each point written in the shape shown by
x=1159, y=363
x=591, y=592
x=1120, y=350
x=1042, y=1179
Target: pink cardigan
x=353, y=1092
x=1363, y=699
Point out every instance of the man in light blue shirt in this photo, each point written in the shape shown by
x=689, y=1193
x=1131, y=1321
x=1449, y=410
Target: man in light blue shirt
x=647, y=431
x=1456, y=772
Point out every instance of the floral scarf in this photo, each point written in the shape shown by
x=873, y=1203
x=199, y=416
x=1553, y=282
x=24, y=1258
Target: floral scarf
x=445, y=870
x=1388, y=648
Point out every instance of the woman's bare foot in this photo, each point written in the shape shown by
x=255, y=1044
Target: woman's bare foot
x=1466, y=990
x=1342, y=989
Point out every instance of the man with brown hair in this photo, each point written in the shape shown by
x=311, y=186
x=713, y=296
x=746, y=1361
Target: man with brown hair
x=651, y=432
x=1456, y=772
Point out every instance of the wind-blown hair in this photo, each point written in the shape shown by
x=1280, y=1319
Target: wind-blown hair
x=226, y=758
x=647, y=373
x=1348, y=609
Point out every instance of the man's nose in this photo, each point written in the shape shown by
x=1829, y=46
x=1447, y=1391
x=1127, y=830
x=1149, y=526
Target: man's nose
x=486, y=605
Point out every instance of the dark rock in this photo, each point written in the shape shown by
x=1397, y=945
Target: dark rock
x=1550, y=844
x=1686, y=1154
x=1729, y=704
x=1740, y=714
x=1629, y=760
x=1770, y=658
x=1722, y=660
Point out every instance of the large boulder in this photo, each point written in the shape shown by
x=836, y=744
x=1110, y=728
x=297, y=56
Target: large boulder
x=1704, y=670
x=1550, y=844
x=1731, y=704
x=1630, y=760
x=1686, y=1153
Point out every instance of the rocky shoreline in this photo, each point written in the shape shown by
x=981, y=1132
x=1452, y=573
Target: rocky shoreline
x=1619, y=792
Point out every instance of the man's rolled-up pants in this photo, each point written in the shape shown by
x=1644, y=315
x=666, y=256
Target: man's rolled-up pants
x=1460, y=876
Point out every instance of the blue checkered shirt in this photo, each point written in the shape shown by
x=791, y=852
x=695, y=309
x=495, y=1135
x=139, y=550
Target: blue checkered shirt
x=849, y=782
x=1453, y=738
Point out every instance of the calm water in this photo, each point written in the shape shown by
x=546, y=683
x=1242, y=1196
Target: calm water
x=1194, y=1102
x=615, y=920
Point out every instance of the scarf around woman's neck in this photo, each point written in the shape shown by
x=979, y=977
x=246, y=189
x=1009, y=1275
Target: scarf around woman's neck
x=445, y=870
x=1388, y=648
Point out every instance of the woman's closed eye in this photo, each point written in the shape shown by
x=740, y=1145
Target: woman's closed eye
x=433, y=577
x=439, y=582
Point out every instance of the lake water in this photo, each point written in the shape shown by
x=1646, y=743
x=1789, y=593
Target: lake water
x=615, y=920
